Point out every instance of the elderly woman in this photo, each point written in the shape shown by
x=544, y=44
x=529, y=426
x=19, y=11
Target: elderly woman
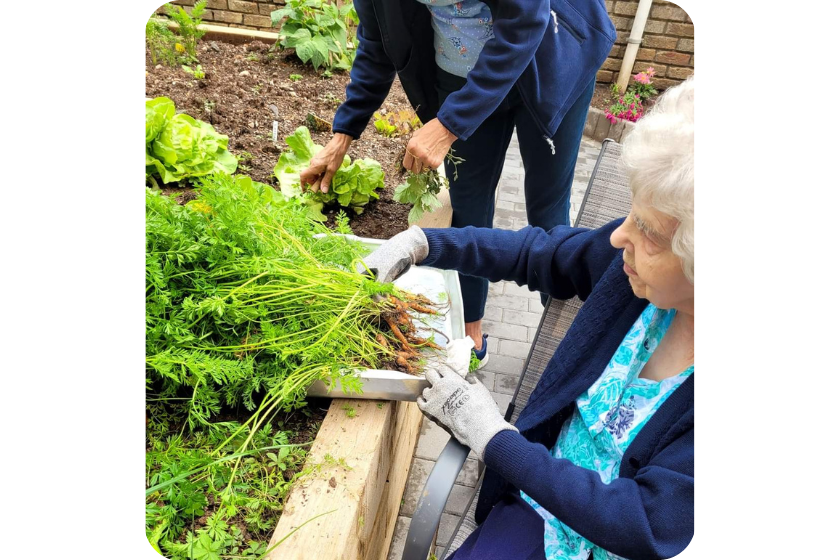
x=473, y=70
x=600, y=463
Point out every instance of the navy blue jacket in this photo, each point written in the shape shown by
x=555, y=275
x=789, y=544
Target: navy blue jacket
x=549, y=49
x=648, y=511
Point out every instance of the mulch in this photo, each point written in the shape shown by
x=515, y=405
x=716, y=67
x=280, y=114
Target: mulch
x=241, y=85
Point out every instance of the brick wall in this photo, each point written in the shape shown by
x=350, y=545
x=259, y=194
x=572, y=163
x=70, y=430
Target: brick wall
x=667, y=43
x=249, y=14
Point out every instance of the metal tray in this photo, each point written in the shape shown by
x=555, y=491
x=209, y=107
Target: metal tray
x=437, y=285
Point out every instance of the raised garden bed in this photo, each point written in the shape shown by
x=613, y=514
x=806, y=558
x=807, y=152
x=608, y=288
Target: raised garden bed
x=243, y=80
x=346, y=503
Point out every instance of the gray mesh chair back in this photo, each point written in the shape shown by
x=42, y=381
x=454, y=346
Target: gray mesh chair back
x=607, y=198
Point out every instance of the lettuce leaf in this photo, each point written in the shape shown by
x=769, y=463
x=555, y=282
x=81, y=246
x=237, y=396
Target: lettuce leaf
x=353, y=185
x=179, y=146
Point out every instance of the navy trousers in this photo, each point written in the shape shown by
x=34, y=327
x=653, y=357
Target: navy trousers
x=512, y=531
x=548, y=177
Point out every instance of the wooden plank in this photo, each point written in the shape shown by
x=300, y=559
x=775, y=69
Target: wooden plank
x=409, y=421
x=353, y=496
x=378, y=445
x=234, y=35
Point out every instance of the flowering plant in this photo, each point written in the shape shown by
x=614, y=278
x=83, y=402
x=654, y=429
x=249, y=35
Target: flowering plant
x=630, y=106
x=641, y=84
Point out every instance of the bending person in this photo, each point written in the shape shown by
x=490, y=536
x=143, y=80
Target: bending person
x=473, y=71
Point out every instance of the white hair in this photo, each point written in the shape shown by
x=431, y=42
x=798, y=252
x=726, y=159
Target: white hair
x=659, y=156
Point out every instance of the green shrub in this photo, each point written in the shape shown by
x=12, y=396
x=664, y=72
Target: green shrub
x=317, y=30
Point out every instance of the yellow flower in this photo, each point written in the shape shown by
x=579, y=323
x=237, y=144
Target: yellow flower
x=202, y=207
x=179, y=47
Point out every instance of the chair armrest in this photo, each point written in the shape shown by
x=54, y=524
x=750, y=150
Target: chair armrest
x=424, y=523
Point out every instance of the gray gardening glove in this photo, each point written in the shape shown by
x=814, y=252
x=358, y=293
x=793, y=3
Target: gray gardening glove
x=396, y=255
x=463, y=407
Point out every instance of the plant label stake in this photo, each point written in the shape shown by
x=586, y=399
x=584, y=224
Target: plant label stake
x=276, y=113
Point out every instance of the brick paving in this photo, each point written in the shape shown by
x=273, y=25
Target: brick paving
x=511, y=318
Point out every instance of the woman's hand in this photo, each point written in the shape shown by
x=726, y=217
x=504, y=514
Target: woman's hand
x=428, y=146
x=323, y=166
x=463, y=407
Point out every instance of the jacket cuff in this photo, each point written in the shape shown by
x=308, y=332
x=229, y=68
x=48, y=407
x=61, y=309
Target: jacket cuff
x=353, y=134
x=508, y=453
x=437, y=239
x=459, y=131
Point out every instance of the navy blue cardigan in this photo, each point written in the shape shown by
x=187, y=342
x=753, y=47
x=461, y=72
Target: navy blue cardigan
x=648, y=511
x=550, y=49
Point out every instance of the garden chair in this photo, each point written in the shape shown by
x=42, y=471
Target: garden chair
x=607, y=198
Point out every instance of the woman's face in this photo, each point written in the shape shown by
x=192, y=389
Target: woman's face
x=654, y=271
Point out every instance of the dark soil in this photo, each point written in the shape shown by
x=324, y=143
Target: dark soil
x=241, y=84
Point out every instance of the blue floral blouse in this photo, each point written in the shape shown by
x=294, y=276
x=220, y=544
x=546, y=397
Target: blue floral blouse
x=607, y=418
x=461, y=29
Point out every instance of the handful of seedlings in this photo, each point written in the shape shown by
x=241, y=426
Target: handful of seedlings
x=421, y=189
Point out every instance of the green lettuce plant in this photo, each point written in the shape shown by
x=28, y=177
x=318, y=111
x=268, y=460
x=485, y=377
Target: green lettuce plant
x=181, y=147
x=353, y=185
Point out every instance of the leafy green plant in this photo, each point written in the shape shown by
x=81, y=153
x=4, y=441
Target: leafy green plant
x=197, y=72
x=295, y=77
x=161, y=42
x=186, y=480
x=349, y=411
x=421, y=189
x=396, y=124
x=474, y=363
x=244, y=159
x=331, y=99
x=181, y=147
x=241, y=299
x=245, y=308
x=353, y=185
x=317, y=30
x=188, y=25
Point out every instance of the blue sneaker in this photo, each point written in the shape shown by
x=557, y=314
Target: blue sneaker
x=482, y=355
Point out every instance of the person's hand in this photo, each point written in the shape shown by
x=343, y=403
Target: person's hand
x=325, y=163
x=428, y=146
x=463, y=407
x=458, y=354
x=396, y=255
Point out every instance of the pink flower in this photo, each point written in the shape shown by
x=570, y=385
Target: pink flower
x=650, y=71
x=642, y=78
